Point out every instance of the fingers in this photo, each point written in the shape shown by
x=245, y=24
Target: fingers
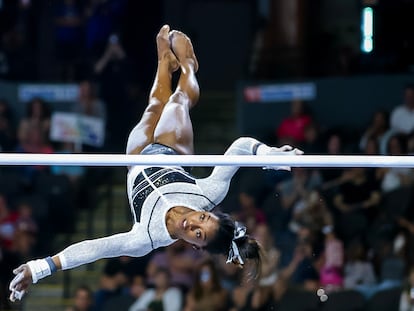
x=286, y=148
x=298, y=151
x=16, y=295
x=16, y=280
x=19, y=269
x=16, y=285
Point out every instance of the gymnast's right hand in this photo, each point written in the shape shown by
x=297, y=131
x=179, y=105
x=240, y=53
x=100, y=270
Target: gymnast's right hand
x=20, y=283
x=284, y=150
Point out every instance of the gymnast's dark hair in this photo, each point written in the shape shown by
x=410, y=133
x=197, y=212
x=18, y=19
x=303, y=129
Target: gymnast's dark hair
x=221, y=243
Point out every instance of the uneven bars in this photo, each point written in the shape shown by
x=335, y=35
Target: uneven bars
x=13, y=159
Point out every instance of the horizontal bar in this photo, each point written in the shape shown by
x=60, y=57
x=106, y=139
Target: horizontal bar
x=82, y=159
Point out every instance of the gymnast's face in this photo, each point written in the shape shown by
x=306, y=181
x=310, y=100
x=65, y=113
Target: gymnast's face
x=198, y=228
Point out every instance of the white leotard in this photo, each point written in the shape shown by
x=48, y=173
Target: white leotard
x=152, y=191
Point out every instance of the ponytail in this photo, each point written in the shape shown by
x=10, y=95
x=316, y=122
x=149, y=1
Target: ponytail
x=231, y=240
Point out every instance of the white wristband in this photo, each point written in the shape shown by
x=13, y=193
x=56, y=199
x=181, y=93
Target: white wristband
x=39, y=269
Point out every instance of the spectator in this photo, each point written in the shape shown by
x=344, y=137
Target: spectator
x=102, y=19
x=38, y=113
x=402, y=116
x=303, y=270
x=294, y=191
x=88, y=103
x=293, y=126
x=82, y=299
x=114, y=70
x=32, y=140
x=248, y=212
x=331, y=273
x=179, y=259
x=163, y=297
x=393, y=178
x=377, y=130
x=138, y=287
x=359, y=271
x=312, y=141
x=134, y=290
x=68, y=36
x=312, y=214
x=229, y=274
x=111, y=284
x=356, y=203
x=207, y=294
x=270, y=265
x=332, y=177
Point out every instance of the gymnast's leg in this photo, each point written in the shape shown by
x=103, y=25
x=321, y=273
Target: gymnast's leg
x=174, y=127
x=143, y=133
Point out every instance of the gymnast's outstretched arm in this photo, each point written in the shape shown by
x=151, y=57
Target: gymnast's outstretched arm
x=121, y=244
x=221, y=175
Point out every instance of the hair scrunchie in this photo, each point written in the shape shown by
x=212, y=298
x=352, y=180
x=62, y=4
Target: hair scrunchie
x=234, y=253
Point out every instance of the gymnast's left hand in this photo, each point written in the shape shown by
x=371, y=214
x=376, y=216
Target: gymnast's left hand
x=284, y=150
x=20, y=283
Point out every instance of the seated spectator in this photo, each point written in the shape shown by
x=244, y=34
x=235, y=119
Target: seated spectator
x=312, y=214
x=358, y=271
x=137, y=287
x=332, y=177
x=270, y=263
x=356, y=204
x=376, y=130
x=312, y=141
x=179, y=259
x=393, y=178
x=82, y=299
x=230, y=275
x=248, y=212
x=402, y=116
x=163, y=297
x=391, y=266
x=111, y=284
x=32, y=140
x=89, y=103
x=293, y=126
x=38, y=113
x=303, y=270
x=331, y=272
x=206, y=293
x=295, y=190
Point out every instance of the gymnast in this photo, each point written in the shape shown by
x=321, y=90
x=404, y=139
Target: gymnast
x=167, y=203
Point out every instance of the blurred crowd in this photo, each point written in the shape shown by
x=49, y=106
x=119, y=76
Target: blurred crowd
x=340, y=230
x=331, y=236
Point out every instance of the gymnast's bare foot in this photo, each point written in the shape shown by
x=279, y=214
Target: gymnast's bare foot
x=183, y=48
x=164, y=50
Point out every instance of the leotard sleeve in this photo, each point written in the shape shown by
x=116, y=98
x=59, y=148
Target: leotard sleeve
x=133, y=243
x=217, y=184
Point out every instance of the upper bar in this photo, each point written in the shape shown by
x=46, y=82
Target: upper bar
x=83, y=159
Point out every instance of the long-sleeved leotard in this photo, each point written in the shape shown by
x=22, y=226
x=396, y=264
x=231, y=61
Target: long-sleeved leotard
x=152, y=191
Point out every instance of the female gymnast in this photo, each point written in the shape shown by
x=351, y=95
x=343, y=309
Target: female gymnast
x=167, y=203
